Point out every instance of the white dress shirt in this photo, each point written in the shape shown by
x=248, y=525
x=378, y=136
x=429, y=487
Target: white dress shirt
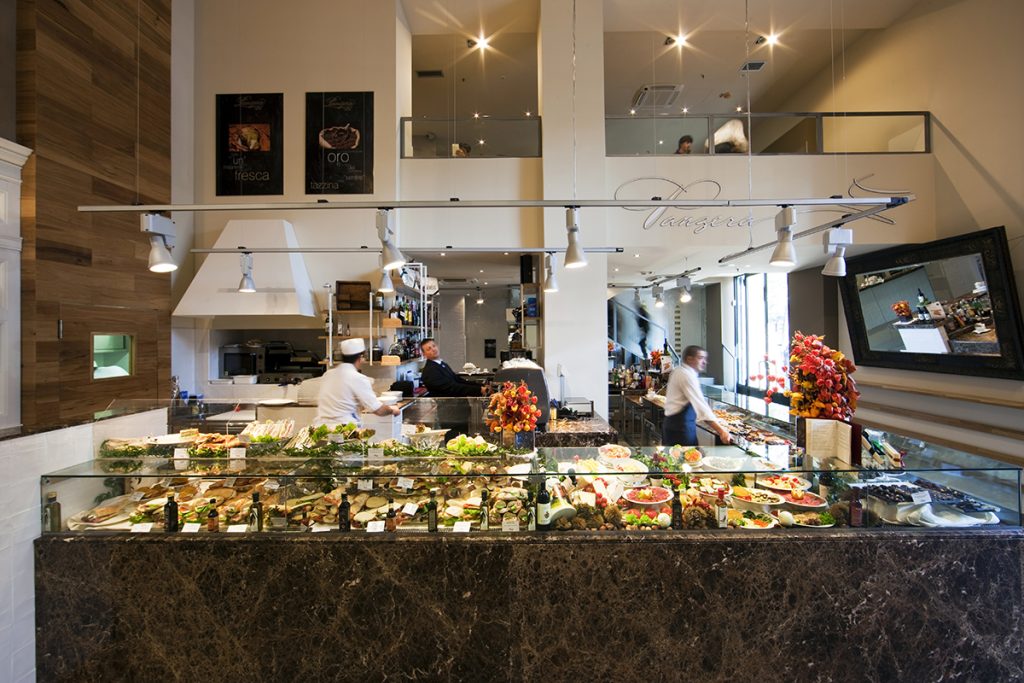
x=342, y=393
x=683, y=390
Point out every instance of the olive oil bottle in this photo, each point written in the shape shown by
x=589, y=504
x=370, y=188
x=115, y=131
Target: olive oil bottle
x=51, y=513
x=344, y=514
x=170, y=514
x=432, y=512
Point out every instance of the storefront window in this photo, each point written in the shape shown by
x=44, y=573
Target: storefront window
x=112, y=355
x=762, y=330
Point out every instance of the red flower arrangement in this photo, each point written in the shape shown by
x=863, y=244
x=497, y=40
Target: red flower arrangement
x=901, y=308
x=514, y=408
x=655, y=358
x=819, y=378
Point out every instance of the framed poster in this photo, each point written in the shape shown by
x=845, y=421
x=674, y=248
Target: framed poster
x=250, y=150
x=339, y=143
x=490, y=348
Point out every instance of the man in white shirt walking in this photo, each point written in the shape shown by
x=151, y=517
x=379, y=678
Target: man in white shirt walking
x=685, y=404
x=344, y=391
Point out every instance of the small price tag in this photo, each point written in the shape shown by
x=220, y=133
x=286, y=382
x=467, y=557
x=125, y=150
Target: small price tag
x=190, y=528
x=364, y=485
x=405, y=483
x=921, y=497
x=236, y=453
x=588, y=498
x=375, y=527
x=510, y=525
x=599, y=487
x=319, y=528
x=137, y=496
x=180, y=459
x=410, y=509
x=271, y=486
x=142, y=528
x=230, y=482
x=237, y=528
x=462, y=527
x=375, y=453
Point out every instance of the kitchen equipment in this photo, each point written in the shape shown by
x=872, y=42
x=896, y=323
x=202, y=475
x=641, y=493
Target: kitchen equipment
x=242, y=359
x=535, y=382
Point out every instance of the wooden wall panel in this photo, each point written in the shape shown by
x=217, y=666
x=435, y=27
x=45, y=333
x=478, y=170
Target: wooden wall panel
x=94, y=103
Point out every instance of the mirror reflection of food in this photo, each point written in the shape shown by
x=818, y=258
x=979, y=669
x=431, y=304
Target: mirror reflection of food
x=340, y=137
x=250, y=137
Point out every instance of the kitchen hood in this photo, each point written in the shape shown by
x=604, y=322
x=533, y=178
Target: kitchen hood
x=281, y=282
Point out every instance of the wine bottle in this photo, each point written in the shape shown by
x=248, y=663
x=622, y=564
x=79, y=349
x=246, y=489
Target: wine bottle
x=856, y=509
x=721, y=510
x=170, y=514
x=391, y=521
x=432, y=512
x=344, y=513
x=531, y=513
x=51, y=513
x=256, y=513
x=677, y=511
x=212, y=518
x=543, y=507
x=485, y=521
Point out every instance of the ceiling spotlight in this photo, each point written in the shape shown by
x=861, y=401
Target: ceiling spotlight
x=658, y=301
x=393, y=258
x=686, y=110
x=678, y=41
x=785, y=253
x=550, y=282
x=161, y=240
x=632, y=112
x=772, y=39
x=684, y=284
x=247, y=285
x=835, y=241
x=575, y=257
x=480, y=43
x=686, y=297
x=738, y=108
x=479, y=296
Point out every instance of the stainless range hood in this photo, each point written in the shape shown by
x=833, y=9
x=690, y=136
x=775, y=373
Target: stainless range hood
x=282, y=283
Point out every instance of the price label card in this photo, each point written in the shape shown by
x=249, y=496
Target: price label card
x=375, y=453
x=318, y=528
x=190, y=528
x=230, y=482
x=588, y=498
x=405, y=483
x=510, y=524
x=375, y=527
x=236, y=453
x=599, y=487
x=180, y=459
x=142, y=528
x=271, y=486
x=462, y=527
x=237, y=528
x=364, y=485
x=410, y=509
x=921, y=497
x=137, y=496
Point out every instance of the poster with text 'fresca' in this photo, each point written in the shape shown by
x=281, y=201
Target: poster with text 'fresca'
x=250, y=144
x=339, y=143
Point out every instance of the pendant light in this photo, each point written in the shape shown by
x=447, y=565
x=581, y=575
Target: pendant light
x=575, y=256
x=246, y=285
x=785, y=253
x=550, y=282
x=393, y=258
x=685, y=286
x=835, y=241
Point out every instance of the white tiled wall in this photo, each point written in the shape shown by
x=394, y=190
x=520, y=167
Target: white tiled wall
x=22, y=462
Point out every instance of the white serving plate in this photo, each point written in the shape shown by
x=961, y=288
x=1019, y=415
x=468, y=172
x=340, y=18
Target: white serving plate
x=277, y=402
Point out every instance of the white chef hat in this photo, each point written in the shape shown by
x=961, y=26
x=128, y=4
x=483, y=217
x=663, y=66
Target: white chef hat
x=351, y=347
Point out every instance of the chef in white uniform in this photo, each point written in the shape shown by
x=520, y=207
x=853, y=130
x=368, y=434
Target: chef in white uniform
x=345, y=392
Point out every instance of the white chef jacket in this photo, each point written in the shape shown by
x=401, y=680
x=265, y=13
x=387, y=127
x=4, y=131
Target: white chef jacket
x=343, y=392
x=683, y=390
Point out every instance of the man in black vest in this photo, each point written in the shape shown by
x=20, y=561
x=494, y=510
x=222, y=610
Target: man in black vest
x=440, y=380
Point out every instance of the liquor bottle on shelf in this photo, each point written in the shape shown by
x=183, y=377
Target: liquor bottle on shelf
x=256, y=513
x=543, y=507
x=721, y=510
x=213, y=517
x=432, y=512
x=170, y=514
x=51, y=513
x=856, y=509
x=485, y=522
x=344, y=514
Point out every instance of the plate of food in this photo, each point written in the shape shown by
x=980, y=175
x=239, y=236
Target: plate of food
x=277, y=402
x=648, y=495
x=170, y=439
x=746, y=519
x=613, y=451
x=757, y=500
x=633, y=471
x=783, y=482
x=798, y=499
x=709, y=486
x=108, y=513
x=815, y=520
x=689, y=455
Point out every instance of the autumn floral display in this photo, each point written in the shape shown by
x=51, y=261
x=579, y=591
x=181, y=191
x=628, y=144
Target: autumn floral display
x=513, y=409
x=655, y=358
x=819, y=380
x=901, y=309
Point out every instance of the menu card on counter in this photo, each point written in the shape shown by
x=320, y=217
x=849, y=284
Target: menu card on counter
x=832, y=439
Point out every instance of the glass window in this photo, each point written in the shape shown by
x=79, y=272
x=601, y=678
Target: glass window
x=762, y=330
x=112, y=355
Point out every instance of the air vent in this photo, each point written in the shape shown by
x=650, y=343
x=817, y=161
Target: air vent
x=656, y=96
x=752, y=66
x=429, y=73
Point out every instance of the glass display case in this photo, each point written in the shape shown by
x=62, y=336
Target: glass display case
x=357, y=486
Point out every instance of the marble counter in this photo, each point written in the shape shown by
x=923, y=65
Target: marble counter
x=730, y=605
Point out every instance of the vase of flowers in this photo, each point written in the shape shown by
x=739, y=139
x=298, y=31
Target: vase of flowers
x=819, y=380
x=513, y=412
x=902, y=310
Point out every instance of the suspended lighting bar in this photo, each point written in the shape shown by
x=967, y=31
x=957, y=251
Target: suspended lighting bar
x=416, y=250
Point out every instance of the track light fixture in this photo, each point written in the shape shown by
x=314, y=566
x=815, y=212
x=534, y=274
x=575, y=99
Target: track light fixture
x=385, y=286
x=575, y=256
x=636, y=297
x=479, y=296
x=657, y=292
x=393, y=258
x=161, y=240
x=550, y=282
x=685, y=286
x=785, y=253
x=835, y=241
x=246, y=285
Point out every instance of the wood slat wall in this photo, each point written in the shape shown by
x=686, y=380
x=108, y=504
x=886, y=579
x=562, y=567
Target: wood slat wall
x=92, y=123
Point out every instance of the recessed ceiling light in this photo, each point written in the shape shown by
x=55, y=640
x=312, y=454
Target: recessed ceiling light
x=616, y=270
x=505, y=253
x=481, y=142
x=528, y=114
x=476, y=115
x=443, y=254
x=485, y=283
x=772, y=39
x=636, y=255
x=482, y=42
x=481, y=270
x=632, y=112
x=661, y=142
x=686, y=110
x=739, y=108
